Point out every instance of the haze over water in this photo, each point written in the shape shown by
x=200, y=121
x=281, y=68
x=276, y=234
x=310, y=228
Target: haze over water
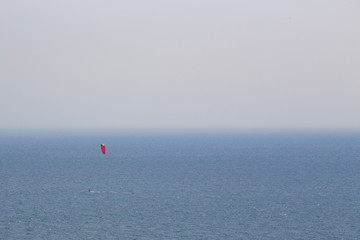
x=180, y=185
x=179, y=65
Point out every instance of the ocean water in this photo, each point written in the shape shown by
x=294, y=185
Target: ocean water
x=179, y=185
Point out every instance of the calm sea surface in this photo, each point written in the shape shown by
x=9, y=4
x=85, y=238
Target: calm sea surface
x=179, y=185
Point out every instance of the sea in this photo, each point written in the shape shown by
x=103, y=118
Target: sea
x=179, y=184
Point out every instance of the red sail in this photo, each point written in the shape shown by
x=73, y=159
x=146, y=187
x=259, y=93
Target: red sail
x=103, y=148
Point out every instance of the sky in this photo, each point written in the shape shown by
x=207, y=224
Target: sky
x=180, y=64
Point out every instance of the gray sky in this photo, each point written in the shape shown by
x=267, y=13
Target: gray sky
x=172, y=63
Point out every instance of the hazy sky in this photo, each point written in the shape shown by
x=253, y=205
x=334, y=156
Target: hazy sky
x=172, y=63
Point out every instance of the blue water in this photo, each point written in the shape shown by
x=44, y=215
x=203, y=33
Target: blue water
x=179, y=185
